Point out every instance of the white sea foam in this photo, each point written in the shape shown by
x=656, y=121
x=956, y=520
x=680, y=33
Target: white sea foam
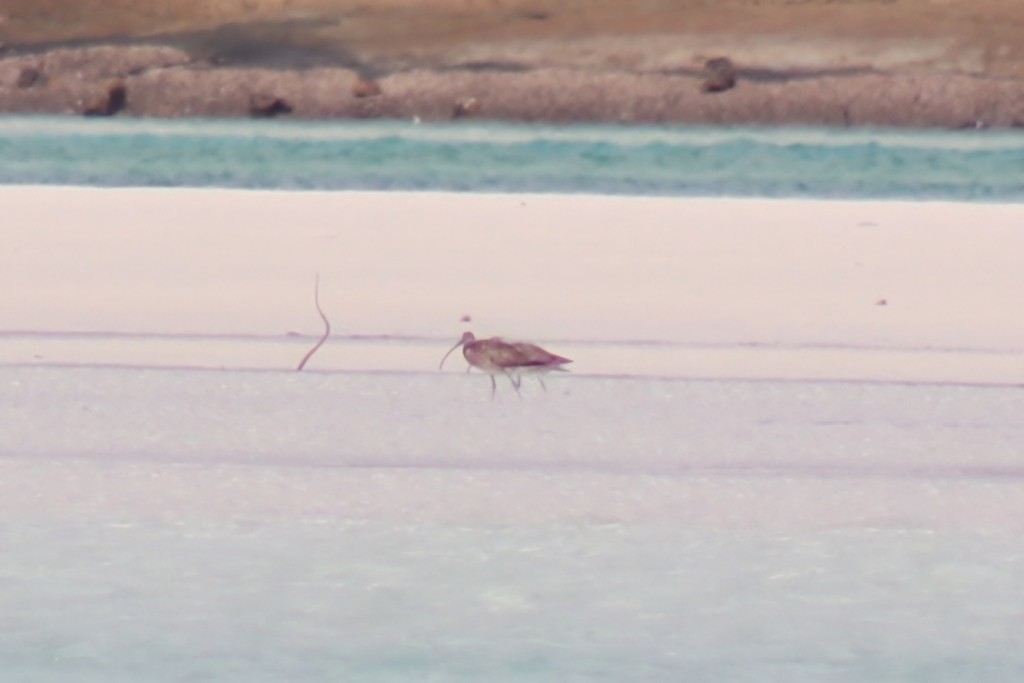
x=494, y=133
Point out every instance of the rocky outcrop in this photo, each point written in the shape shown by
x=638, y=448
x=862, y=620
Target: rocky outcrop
x=144, y=83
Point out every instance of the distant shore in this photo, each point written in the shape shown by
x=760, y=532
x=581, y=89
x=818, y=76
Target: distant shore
x=165, y=81
x=901, y=63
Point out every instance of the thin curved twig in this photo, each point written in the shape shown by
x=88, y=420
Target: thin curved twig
x=327, y=325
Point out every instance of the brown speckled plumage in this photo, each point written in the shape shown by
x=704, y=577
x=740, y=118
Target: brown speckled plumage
x=495, y=356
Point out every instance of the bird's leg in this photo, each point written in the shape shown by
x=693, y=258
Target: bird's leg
x=542, y=385
x=515, y=380
x=494, y=387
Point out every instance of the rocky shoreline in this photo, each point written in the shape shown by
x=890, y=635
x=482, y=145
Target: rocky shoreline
x=167, y=81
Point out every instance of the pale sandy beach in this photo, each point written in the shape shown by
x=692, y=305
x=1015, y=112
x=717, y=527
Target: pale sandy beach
x=874, y=290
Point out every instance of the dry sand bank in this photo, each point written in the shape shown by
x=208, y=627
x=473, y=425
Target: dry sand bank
x=905, y=63
x=889, y=291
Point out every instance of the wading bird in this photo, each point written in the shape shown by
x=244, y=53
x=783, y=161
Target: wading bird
x=495, y=356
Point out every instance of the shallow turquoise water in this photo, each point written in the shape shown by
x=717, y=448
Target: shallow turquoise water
x=190, y=525
x=494, y=157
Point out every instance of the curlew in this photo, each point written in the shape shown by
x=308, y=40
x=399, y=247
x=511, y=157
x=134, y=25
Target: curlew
x=495, y=356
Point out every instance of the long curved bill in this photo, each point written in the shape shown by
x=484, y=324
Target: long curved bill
x=457, y=345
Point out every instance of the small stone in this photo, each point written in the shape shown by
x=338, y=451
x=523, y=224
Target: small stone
x=268, y=106
x=30, y=77
x=366, y=87
x=112, y=100
x=719, y=75
x=466, y=106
